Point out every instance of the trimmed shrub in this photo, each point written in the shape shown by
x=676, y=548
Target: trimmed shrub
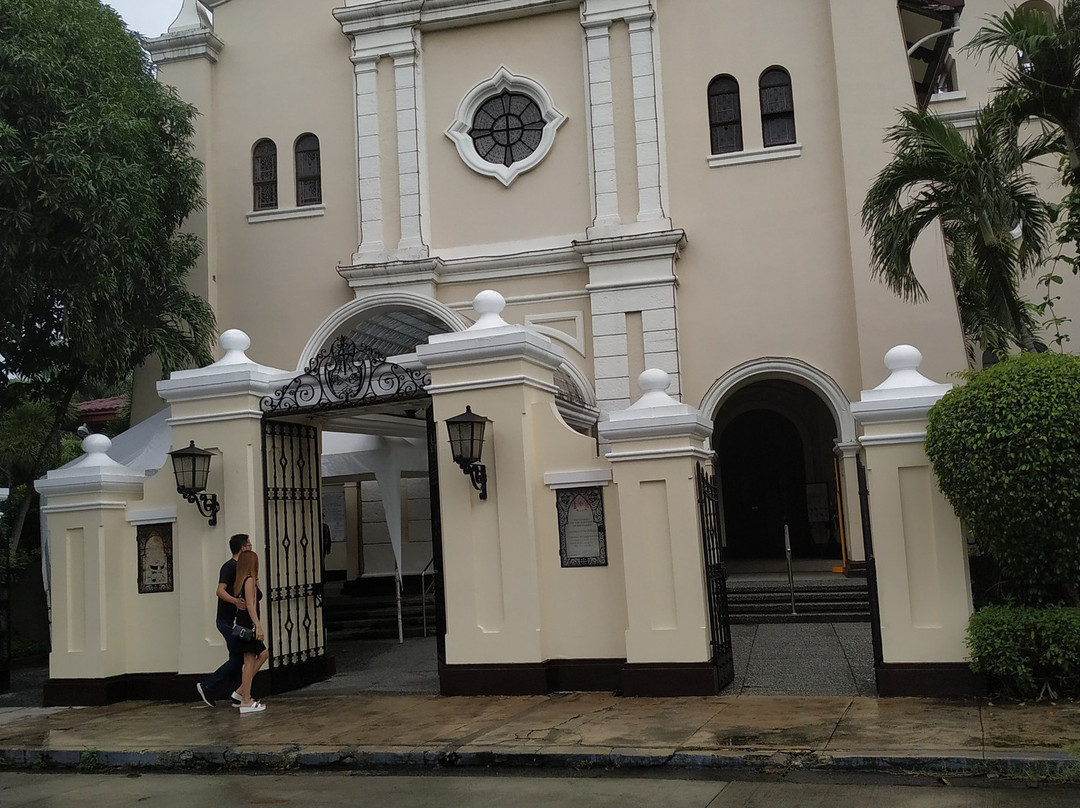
x=1006, y=450
x=1020, y=649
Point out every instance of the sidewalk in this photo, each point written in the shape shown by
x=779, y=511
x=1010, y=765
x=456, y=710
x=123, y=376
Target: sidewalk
x=802, y=698
x=573, y=730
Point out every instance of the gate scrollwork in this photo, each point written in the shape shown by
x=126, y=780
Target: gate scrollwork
x=345, y=375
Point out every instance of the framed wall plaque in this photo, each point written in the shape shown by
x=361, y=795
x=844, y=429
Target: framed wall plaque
x=155, y=544
x=582, y=533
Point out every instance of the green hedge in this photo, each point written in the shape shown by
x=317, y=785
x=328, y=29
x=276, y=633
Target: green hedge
x=1006, y=451
x=1021, y=648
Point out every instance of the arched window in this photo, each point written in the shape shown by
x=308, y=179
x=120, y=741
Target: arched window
x=725, y=117
x=308, y=170
x=777, y=108
x=264, y=175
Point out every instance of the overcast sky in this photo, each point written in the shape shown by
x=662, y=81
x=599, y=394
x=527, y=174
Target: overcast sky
x=147, y=17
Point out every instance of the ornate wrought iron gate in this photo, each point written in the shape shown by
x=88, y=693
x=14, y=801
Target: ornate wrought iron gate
x=871, y=564
x=345, y=376
x=715, y=577
x=292, y=572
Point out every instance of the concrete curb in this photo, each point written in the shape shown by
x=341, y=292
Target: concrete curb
x=211, y=759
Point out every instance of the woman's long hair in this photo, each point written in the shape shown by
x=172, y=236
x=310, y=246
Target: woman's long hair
x=247, y=564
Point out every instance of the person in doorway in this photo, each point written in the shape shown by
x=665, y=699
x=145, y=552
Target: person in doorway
x=229, y=674
x=254, y=649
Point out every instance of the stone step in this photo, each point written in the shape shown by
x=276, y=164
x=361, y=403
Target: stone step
x=770, y=602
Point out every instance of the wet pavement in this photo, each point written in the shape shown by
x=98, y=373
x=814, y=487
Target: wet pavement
x=382, y=712
x=378, y=730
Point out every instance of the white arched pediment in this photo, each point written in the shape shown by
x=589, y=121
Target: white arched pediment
x=356, y=311
x=772, y=367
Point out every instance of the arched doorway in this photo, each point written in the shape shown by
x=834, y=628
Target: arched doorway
x=774, y=442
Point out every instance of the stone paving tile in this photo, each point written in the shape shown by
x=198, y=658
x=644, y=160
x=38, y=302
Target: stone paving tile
x=1040, y=724
x=598, y=720
x=771, y=722
x=908, y=724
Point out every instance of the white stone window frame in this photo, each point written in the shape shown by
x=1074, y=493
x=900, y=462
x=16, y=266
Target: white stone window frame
x=503, y=81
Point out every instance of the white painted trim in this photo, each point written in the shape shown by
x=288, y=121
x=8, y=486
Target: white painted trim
x=577, y=479
x=774, y=367
x=755, y=155
x=960, y=118
x=487, y=384
x=99, y=505
x=575, y=341
x=235, y=415
x=503, y=81
x=660, y=454
x=898, y=437
x=955, y=95
x=540, y=297
x=148, y=516
x=435, y=14
x=279, y=214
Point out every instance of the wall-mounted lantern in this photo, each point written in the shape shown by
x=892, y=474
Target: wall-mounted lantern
x=467, y=445
x=191, y=467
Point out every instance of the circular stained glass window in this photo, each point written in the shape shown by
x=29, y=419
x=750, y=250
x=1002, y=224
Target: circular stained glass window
x=507, y=128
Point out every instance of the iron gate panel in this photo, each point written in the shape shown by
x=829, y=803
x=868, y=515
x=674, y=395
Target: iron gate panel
x=293, y=614
x=715, y=577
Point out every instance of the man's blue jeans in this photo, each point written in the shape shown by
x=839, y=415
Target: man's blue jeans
x=231, y=672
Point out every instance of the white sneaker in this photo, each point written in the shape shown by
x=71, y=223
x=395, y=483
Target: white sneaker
x=236, y=699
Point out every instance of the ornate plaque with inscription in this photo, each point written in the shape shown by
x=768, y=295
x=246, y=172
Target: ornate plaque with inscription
x=582, y=536
x=155, y=557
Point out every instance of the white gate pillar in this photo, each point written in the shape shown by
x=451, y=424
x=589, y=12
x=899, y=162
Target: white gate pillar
x=655, y=446
x=920, y=555
x=491, y=569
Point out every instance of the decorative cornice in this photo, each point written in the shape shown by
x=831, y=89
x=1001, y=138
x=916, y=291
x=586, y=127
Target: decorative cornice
x=184, y=45
x=375, y=15
x=665, y=243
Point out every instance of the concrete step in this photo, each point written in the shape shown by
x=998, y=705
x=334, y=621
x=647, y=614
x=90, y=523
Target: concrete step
x=843, y=600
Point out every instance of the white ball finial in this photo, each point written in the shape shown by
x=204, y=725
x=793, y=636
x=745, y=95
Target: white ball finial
x=489, y=304
x=96, y=444
x=903, y=357
x=234, y=342
x=653, y=380
x=653, y=384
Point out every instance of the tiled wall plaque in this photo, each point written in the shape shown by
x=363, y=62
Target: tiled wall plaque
x=155, y=557
x=582, y=536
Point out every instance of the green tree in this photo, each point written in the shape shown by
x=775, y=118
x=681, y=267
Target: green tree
x=995, y=225
x=1039, y=56
x=96, y=177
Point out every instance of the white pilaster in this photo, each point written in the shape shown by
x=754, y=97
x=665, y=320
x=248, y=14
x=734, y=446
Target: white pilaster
x=408, y=139
x=368, y=162
x=602, y=117
x=646, y=118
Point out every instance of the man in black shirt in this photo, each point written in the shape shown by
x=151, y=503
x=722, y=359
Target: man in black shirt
x=230, y=672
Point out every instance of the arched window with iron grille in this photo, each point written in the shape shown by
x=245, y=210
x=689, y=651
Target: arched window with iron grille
x=264, y=175
x=777, y=108
x=725, y=116
x=308, y=170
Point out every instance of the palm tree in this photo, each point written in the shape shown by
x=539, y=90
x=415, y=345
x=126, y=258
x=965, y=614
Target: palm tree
x=1040, y=59
x=994, y=223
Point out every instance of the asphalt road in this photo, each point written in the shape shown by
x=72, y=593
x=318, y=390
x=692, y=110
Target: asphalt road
x=325, y=790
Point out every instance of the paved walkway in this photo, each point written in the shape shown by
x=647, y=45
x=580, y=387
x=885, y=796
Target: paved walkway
x=574, y=730
x=382, y=711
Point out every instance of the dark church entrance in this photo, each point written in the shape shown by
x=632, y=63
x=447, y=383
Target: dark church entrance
x=774, y=443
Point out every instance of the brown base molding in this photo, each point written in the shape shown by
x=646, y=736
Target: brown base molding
x=611, y=675
x=855, y=569
x=174, y=686
x=932, y=679
x=670, y=679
